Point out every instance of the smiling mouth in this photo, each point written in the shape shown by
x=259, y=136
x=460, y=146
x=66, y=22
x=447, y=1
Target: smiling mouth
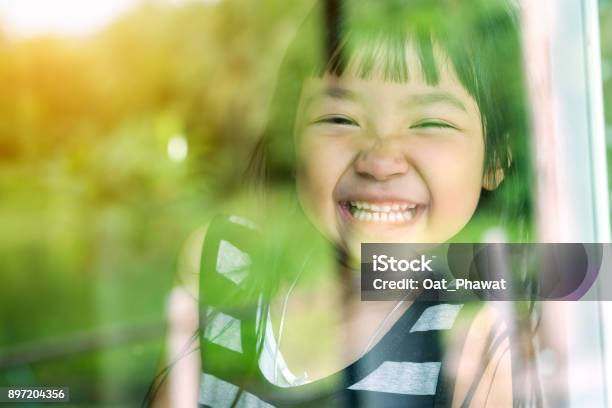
x=385, y=213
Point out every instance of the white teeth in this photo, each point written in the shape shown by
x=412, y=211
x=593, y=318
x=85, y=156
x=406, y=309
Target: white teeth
x=387, y=213
x=362, y=205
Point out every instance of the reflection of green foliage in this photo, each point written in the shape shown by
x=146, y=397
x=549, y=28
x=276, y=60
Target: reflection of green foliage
x=93, y=213
x=605, y=7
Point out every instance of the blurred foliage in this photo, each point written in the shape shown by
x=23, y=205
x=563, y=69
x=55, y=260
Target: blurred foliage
x=605, y=21
x=93, y=212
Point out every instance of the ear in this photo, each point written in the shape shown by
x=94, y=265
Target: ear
x=493, y=178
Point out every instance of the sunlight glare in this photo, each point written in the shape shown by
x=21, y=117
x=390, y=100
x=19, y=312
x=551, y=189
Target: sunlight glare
x=177, y=148
x=65, y=17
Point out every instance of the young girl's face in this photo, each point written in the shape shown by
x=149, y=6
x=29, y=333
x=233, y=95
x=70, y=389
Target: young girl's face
x=383, y=161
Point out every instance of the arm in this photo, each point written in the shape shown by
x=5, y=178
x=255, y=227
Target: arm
x=180, y=388
x=484, y=370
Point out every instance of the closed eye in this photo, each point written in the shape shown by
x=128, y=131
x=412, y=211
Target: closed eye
x=336, y=120
x=433, y=124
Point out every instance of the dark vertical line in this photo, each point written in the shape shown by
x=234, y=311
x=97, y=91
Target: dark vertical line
x=332, y=33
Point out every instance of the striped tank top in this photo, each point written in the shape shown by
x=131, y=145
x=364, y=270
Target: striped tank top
x=241, y=366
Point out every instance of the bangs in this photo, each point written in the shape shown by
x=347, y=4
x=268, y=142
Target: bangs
x=387, y=56
x=390, y=40
x=387, y=39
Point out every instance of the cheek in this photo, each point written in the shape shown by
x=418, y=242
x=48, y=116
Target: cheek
x=454, y=177
x=321, y=163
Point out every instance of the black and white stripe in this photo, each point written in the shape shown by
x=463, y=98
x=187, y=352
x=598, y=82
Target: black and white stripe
x=404, y=368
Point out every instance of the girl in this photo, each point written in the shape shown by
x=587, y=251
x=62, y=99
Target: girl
x=393, y=121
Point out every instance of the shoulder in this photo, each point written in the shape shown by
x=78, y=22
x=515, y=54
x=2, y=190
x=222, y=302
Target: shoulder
x=483, y=364
x=215, y=247
x=188, y=262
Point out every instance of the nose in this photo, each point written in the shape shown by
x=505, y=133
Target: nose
x=381, y=162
